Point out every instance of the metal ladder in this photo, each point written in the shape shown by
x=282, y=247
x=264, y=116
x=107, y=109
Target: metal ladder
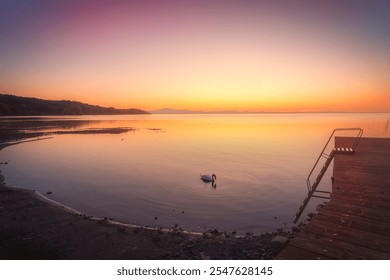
x=312, y=188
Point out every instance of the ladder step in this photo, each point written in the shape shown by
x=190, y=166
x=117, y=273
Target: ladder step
x=323, y=192
x=319, y=196
x=346, y=150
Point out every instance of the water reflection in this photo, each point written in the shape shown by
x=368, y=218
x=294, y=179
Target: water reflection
x=262, y=162
x=210, y=179
x=17, y=129
x=44, y=123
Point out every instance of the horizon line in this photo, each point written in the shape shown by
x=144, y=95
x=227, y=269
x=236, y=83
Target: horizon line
x=189, y=112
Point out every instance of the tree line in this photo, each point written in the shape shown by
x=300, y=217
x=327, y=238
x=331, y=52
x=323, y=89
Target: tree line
x=11, y=105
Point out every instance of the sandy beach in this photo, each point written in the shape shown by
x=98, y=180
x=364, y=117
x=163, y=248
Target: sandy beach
x=32, y=227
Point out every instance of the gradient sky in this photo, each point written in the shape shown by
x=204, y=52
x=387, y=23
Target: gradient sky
x=202, y=55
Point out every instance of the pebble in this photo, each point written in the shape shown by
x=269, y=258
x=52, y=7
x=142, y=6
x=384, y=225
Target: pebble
x=278, y=242
x=203, y=256
x=156, y=239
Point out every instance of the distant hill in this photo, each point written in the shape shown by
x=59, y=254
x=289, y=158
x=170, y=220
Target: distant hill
x=11, y=105
x=173, y=111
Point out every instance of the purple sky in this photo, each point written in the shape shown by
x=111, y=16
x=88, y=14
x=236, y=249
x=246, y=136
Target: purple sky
x=244, y=55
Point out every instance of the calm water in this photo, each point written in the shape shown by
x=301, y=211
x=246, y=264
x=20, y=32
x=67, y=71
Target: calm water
x=261, y=162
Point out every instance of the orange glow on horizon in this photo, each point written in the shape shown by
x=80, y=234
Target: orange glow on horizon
x=197, y=56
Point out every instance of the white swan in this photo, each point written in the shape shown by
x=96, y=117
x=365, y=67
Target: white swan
x=208, y=178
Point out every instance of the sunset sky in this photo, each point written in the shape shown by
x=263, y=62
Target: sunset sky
x=242, y=55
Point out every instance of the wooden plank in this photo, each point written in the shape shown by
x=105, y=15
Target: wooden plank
x=345, y=181
x=362, y=201
x=347, y=234
x=296, y=253
x=382, y=198
x=344, y=186
x=335, y=249
x=349, y=209
x=355, y=222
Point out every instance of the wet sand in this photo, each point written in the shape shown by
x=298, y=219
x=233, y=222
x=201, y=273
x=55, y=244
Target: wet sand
x=32, y=227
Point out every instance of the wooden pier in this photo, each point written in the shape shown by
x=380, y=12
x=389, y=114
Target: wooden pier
x=355, y=223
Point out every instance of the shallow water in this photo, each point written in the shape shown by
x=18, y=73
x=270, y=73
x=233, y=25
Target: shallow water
x=151, y=175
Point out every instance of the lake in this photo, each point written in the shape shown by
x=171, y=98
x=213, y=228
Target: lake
x=150, y=175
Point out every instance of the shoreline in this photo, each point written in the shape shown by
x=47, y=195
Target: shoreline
x=33, y=226
x=107, y=220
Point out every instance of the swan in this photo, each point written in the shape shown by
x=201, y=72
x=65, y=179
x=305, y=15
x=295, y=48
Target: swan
x=208, y=178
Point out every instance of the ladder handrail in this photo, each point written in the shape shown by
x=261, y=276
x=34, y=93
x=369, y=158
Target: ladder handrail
x=355, y=143
x=329, y=157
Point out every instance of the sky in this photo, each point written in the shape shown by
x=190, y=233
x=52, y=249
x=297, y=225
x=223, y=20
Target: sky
x=241, y=55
